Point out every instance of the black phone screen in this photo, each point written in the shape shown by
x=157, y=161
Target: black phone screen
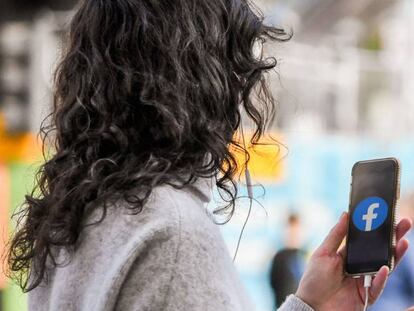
x=373, y=195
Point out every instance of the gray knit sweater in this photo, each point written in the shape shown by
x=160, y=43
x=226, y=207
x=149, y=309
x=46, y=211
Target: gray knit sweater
x=171, y=256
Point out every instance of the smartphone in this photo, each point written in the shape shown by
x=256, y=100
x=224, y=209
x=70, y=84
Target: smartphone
x=375, y=190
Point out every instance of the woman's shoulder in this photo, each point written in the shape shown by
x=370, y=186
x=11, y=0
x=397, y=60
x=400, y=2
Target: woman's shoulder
x=168, y=214
x=138, y=252
x=192, y=267
x=168, y=209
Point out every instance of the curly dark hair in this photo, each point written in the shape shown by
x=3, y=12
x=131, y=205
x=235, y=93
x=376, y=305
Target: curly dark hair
x=146, y=91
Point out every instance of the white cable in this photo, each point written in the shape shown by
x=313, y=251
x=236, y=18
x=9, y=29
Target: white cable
x=249, y=184
x=250, y=196
x=249, y=190
x=367, y=285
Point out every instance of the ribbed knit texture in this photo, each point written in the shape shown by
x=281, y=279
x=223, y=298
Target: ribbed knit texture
x=294, y=303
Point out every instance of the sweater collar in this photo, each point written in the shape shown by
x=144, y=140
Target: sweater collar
x=203, y=188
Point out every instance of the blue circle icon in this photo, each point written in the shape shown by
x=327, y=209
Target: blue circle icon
x=370, y=213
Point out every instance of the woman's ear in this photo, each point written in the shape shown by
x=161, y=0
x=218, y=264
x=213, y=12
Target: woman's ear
x=257, y=49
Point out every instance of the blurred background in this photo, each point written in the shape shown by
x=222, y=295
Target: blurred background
x=344, y=85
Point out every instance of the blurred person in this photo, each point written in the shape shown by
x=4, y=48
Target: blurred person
x=148, y=98
x=399, y=294
x=288, y=263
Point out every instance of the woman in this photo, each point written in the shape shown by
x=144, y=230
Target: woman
x=147, y=103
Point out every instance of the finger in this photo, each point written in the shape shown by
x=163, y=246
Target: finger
x=410, y=308
x=402, y=244
x=378, y=284
x=403, y=227
x=400, y=249
x=334, y=239
x=342, y=252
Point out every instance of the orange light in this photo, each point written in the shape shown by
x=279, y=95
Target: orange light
x=20, y=147
x=266, y=158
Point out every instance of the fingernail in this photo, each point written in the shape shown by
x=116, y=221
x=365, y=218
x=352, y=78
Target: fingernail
x=342, y=216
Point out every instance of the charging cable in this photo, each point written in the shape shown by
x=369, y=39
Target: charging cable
x=250, y=196
x=367, y=285
x=249, y=190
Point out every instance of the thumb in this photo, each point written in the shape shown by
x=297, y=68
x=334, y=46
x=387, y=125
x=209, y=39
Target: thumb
x=378, y=283
x=335, y=237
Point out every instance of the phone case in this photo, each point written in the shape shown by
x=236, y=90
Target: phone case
x=394, y=208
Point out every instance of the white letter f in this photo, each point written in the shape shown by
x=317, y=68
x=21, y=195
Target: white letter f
x=369, y=216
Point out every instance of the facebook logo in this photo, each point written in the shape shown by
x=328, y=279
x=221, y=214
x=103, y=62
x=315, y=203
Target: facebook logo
x=370, y=213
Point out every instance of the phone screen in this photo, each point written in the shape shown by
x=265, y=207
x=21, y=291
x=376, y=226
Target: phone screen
x=372, y=201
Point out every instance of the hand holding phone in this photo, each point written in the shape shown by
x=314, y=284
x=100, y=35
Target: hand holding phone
x=324, y=287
